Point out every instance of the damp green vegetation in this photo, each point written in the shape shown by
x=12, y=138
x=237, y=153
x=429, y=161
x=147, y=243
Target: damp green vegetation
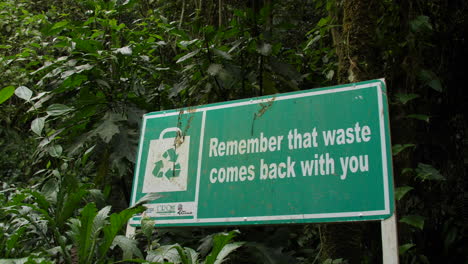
x=77, y=76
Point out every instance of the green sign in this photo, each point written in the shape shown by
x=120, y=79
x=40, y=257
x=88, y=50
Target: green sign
x=319, y=155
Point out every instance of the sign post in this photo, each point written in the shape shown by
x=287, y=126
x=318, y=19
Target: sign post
x=321, y=155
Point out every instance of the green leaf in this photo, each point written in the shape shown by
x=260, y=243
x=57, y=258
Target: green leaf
x=58, y=109
x=6, y=93
x=413, y=220
x=405, y=98
x=222, y=54
x=188, y=56
x=163, y=253
x=86, y=155
x=81, y=230
x=128, y=246
x=88, y=46
x=127, y=50
x=14, y=238
x=71, y=82
x=419, y=117
x=227, y=249
x=24, y=93
x=396, y=149
x=192, y=255
x=147, y=227
x=427, y=172
x=49, y=191
x=186, y=43
x=71, y=203
x=214, y=69
x=107, y=129
x=420, y=24
x=116, y=222
x=58, y=25
x=406, y=170
x=37, y=125
x=401, y=191
x=404, y=248
x=147, y=198
x=55, y=151
x=221, y=240
x=312, y=41
x=25, y=260
x=430, y=79
x=182, y=254
x=265, y=49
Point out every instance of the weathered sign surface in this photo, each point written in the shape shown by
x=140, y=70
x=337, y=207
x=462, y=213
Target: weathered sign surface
x=319, y=155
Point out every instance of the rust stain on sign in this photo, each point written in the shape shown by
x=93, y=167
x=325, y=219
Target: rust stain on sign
x=263, y=108
x=179, y=139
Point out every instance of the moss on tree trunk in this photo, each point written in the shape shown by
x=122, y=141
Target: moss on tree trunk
x=357, y=61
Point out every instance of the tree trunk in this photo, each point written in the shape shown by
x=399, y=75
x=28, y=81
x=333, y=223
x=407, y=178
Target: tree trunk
x=357, y=61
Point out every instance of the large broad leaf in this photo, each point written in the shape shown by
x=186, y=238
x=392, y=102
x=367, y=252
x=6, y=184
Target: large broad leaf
x=55, y=151
x=24, y=93
x=116, y=222
x=81, y=232
x=37, y=125
x=85, y=231
x=430, y=79
x=60, y=24
x=100, y=220
x=420, y=23
x=192, y=255
x=227, y=249
x=88, y=46
x=401, y=191
x=220, y=241
x=58, y=109
x=413, y=220
x=164, y=253
x=69, y=199
x=108, y=127
x=14, y=240
x=128, y=246
x=214, y=69
x=404, y=248
x=427, y=172
x=147, y=227
x=6, y=93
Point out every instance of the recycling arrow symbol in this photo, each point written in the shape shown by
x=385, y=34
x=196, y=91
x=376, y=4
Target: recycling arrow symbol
x=172, y=168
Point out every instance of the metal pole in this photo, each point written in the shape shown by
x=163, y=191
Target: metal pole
x=130, y=232
x=389, y=240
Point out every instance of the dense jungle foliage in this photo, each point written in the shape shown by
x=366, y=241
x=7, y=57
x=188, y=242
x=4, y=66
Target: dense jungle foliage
x=76, y=77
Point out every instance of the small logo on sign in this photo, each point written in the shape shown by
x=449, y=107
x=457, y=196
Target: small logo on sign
x=180, y=210
x=165, y=209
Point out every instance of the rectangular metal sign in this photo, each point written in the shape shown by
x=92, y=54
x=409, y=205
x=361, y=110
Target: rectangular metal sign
x=319, y=155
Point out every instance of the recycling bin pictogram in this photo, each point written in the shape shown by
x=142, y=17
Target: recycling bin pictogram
x=167, y=164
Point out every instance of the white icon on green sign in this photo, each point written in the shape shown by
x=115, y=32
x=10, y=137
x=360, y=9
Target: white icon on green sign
x=166, y=166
